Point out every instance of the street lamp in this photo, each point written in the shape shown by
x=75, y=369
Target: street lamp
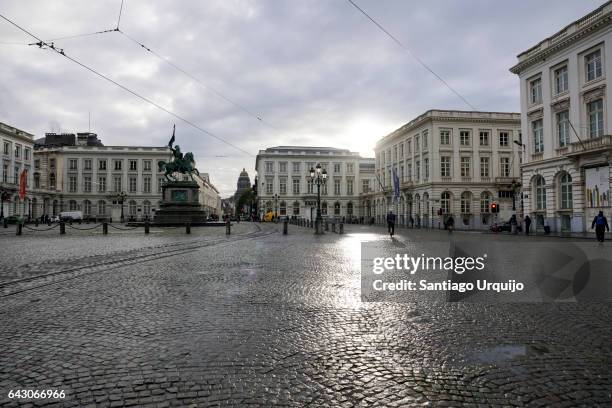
x=275, y=207
x=514, y=186
x=121, y=199
x=318, y=177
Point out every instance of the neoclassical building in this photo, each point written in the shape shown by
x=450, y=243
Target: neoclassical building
x=450, y=163
x=83, y=174
x=283, y=177
x=565, y=118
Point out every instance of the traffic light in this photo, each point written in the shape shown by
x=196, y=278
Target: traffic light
x=494, y=208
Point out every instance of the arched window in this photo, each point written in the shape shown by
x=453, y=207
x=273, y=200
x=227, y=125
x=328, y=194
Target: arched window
x=349, y=209
x=146, y=207
x=87, y=207
x=336, y=208
x=72, y=205
x=52, y=181
x=296, y=208
x=101, y=207
x=540, y=190
x=445, y=202
x=485, y=202
x=132, y=207
x=417, y=200
x=283, y=208
x=466, y=202
x=324, y=208
x=565, y=187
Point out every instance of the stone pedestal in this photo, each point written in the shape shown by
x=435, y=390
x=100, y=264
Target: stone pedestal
x=180, y=204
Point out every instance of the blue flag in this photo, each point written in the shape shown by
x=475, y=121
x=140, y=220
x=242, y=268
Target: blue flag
x=396, y=185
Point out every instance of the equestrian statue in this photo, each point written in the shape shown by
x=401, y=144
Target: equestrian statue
x=181, y=163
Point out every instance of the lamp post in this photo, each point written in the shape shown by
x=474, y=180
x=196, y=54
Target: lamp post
x=275, y=207
x=121, y=199
x=514, y=186
x=318, y=177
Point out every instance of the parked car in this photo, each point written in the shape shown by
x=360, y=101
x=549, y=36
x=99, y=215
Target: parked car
x=55, y=218
x=71, y=215
x=504, y=226
x=13, y=219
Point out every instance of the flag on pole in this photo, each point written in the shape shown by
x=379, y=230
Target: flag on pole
x=396, y=185
x=23, y=181
x=172, y=139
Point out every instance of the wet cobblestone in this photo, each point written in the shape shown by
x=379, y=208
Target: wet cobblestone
x=262, y=319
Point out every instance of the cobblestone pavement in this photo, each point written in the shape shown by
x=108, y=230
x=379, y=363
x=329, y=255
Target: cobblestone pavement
x=263, y=319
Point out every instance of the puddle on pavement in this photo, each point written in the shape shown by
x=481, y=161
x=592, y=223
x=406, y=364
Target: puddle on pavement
x=499, y=354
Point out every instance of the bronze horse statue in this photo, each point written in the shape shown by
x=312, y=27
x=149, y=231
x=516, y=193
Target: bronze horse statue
x=183, y=164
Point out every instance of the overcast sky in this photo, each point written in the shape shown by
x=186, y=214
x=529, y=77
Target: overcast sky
x=316, y=72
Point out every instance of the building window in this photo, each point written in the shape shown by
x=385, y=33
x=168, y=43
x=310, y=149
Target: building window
x=146, y=184
x=409, y=146
x=17, y=151
x=464, y=137
x=466, y=202
x=87, y=207
x=296, y=186
x=504, y=163
x=72, y=164
x=269, y=167
x=132, y=208
x=337, y=186
x=133, y=184
x=540, y=188
x=425, y=137
x=283, y=186
x=283, y=208
x=102, y=184
x=417, y=171
x=296, y=167
x=72, y=184
x=365, y=186
x=101, y=164
x=118, y=164
x=282, y=167
x=485, y=202
x=101, y=207
x=535, y=91
x=117, y=184
x=484, y=167
x=484, y=137
x=296, y=208
x=87, y=184
x=426, y=169
x=445, y=166
x=26, y=153
x=324, y=208
x=394, y=153
x=401, y=153
x=445, y=201
x=7, y=148
x=72, y=205
x=562, y=128
x=133, y=165
x=566, y=191
x=561, y=80
x=37, y=164
x=36, y=180
x=269, y=186
x=538, y=136
x=445, y=137
x=336, y=208
x=51, y=181
x=5, y=173
x=146, y=208
x=350, y=167
x=16, y=175
x=349, y=209
x=504, y=139
x=596, y=121
x=349, y=186
x=466, y=167
x=416, y=144
x=338, y=166
x=146, y=164
x=593, y=65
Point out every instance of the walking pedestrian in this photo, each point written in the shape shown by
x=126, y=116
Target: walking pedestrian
x=450, y=224
x=391, y=223
x=527, y=224
x=600, y=223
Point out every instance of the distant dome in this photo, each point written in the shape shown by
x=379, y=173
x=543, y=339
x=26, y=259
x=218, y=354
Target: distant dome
x=243, y=173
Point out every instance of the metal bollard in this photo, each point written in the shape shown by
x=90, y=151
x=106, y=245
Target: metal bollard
x=341, y=228
x=62, y=227
x=19, y=228
x=104, y=228
x=36, y=222
x=146, y=227
x=285, y=227
x=187, y=228
x=5, y=222
x=333, y=227
x=326, y=226
x=228, y=228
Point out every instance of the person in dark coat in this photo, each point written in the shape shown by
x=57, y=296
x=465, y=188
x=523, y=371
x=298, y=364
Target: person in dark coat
x=600, y=223
x=391, y=223
x=527, y=224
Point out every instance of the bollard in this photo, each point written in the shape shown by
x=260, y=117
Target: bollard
x=5, y=222
x=187, y=228
x=326, y=226
x=19, y=228
x=285, y=227
x=36, y=222
x=228, y=227
x=341, y=228
x=146, y=227
x=333, y=227
x=105, y=228
x=62, y=227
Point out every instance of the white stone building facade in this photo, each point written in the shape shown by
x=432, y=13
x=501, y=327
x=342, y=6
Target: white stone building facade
x=566, y=122
x=210, y=200
x=284, y=187
x=450, y=163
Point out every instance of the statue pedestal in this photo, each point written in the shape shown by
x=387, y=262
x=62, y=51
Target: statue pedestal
x=180, y=204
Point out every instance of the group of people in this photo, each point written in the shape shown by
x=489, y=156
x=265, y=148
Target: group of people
x=600, y=224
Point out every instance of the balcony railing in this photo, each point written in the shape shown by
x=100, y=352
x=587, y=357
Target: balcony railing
x=505, y=180
x=590, y=145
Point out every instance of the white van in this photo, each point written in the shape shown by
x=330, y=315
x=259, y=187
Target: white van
x=71, y=215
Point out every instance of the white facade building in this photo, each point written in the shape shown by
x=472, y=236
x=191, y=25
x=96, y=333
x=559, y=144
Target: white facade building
x=210, y=200
x=84, y=175
x=283, y=177
x=450, y=163
x=16, y=155
x=566, y=123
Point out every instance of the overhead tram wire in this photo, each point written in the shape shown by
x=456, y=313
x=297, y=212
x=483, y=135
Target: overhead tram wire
x=423, y=64
x=43, y=44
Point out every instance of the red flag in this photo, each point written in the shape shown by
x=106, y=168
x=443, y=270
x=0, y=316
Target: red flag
x=23, y=181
